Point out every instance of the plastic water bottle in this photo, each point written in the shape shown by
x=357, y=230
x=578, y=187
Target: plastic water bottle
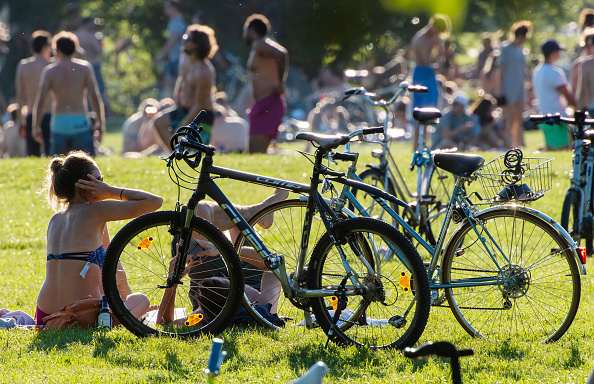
x=104, y=319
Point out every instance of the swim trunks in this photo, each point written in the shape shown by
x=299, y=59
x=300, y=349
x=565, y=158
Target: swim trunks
x=266, y=115
x=70, y=133
x=177, y=115
x=424, y=75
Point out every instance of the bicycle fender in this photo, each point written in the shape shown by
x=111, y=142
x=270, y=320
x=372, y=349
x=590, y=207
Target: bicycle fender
x=533, y=212
x=378, y=168
x=371, y=190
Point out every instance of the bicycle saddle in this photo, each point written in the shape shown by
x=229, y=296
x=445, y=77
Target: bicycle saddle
x=324, y=141
x=457, y=163
x=426, y=114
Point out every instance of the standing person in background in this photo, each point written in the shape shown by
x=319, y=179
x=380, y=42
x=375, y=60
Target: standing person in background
x=587, y=50
x=553, y=95
x=485, y=51
x=68, y=81
x=268, y=68
x=195, y=85
x=28, y=75
x=512, y=94
x=92, y=51
x=427, y=48
x=172, y=48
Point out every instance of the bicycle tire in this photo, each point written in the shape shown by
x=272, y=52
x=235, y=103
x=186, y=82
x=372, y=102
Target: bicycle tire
x=375, y=178
x=439, y=183
x=380, y=320
x=282, y=237
x=144, y=248
x=570, y=215
x=542, y=301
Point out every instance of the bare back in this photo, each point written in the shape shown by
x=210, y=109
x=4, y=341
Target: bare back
x=28, y=77
x=72, y=231
x=586, y=84
x=423, y=44
x=69, y=81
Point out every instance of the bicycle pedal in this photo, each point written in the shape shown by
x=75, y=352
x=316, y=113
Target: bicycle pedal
x=397, y=321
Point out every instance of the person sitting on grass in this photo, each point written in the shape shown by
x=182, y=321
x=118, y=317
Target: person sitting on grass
x=77, y=233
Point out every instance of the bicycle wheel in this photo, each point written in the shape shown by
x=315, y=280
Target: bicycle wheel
x=392, y=310
x=540, y=293
x=144, y=249
x=376, y=178
x=283, y=236
x=570, y=215
x=437, y=185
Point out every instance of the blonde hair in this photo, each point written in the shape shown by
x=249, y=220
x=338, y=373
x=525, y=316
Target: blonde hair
x=61, y=175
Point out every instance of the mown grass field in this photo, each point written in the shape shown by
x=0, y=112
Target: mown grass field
x=254, y=355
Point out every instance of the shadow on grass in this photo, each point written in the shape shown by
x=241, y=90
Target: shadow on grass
x=508, y=351
x=575, y=359
x=60, y=339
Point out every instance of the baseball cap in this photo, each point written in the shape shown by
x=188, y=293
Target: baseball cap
x=550, y=46
x=462, y=99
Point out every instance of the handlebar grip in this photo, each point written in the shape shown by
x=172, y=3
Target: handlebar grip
x=351, y=92
x=551, y=119
x=343, y=156
x=201, y=115
x=373, y=130
x=417, y=88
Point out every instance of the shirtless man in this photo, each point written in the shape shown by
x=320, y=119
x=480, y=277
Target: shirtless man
x=267, y=67
x=68, y=81
x=584, y=74
x=195, y=85
x=427, y=47
x=27, y=83
x=92, y=51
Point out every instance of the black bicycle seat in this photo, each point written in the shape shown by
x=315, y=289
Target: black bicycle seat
x=458, y=163
x=322, y=140
x=426, y=114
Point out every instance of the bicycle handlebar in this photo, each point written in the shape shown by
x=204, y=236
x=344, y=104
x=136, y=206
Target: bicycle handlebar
x=403, y=87
x=557, y=118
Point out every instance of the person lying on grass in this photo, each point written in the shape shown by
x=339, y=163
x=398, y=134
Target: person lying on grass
x=77, y=233
x=208, y=292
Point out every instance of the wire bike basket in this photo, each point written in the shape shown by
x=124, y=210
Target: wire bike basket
x=513, y=177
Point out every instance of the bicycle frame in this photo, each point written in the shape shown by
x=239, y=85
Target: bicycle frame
x=582, y=174
x=207, y=187
x=458, y=198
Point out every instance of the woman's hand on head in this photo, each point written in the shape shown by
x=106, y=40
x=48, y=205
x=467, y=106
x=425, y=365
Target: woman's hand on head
x=94, y=190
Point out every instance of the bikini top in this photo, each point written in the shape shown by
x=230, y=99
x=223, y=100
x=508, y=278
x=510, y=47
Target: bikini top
x=91, y=257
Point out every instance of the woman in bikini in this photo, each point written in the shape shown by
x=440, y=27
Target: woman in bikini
x=77, y=234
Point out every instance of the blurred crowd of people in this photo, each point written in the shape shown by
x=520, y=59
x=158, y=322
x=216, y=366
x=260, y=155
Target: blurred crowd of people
x=61, y=100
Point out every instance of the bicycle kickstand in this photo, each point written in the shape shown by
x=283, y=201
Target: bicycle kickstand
x=340, y=305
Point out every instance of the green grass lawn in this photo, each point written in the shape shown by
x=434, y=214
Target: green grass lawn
x=254, y=355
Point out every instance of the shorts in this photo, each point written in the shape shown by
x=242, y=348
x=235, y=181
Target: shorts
x=266, y=115
x=70, y=133
x=176, y=116
x=33, y=147
x=424, y=75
